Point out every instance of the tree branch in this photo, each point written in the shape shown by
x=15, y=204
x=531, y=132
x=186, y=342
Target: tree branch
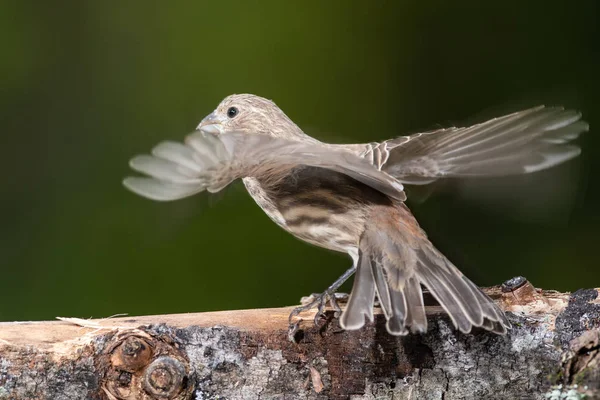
x=551, y=350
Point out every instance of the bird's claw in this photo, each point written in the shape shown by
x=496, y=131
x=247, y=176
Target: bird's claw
x=333, y=301
x=320, y=302
x=292, y=329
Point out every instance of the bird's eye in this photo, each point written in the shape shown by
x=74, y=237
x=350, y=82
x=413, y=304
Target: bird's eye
x=232, y=112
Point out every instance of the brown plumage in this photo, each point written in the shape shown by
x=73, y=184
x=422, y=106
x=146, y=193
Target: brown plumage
x=349, y=198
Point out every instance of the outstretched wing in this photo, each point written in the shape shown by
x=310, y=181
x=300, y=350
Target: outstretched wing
x=519, y=143
x=209, y=162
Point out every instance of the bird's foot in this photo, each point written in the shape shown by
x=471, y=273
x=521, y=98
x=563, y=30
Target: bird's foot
x=318, y=300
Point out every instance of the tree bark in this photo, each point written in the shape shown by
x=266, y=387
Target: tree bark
x=551, y=352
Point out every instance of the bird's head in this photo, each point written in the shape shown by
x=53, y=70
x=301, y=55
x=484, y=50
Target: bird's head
x=251, y=114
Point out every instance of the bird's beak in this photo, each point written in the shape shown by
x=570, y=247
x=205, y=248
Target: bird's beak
x=211, y=124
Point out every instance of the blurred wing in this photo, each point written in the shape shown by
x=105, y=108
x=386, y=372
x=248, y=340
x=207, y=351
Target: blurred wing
x=208, y=162
x=519, y=143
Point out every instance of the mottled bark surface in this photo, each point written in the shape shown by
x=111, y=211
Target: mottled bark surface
x=552, y=352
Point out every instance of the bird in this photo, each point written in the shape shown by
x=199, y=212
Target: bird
x=350, y=198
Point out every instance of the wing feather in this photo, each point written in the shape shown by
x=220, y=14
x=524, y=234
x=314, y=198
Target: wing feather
x=518, y=143
x=209, y=162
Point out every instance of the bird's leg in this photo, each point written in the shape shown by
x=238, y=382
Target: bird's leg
x=320, y=301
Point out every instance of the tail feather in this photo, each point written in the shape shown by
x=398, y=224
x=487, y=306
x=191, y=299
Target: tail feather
x=466, y=304
x=362, y=297
x=396, y=324
x=382, y=288
x=402, y=308
x=446, y=297
x=402, y=302
x=443, y=273
x=497, y=319
x=416, y=317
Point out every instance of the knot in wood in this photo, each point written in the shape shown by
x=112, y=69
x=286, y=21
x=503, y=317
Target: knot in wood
x=142, y=364
x=164, y=377
x=133, y=354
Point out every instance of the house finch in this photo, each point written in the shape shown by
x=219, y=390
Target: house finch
x=350, y=198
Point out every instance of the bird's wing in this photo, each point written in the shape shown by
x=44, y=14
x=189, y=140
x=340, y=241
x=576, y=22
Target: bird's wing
x=518, y=143
x=209, y=162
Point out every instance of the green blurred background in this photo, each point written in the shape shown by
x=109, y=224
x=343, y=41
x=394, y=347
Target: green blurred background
x=85, y=85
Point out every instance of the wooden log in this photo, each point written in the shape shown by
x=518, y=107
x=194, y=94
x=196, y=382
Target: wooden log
x=552, y=351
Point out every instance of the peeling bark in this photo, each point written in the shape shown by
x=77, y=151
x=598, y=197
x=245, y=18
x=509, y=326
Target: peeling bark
x=551, y=352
